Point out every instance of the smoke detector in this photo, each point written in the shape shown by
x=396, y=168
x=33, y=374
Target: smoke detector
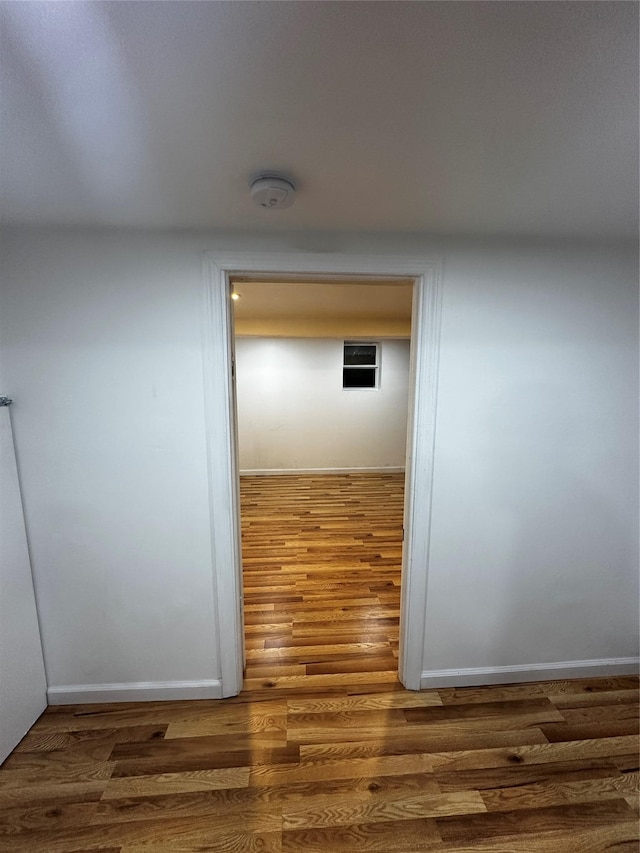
x=273, y=192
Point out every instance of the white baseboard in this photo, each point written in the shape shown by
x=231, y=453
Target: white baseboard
x=137, y=691
x=477, y=676
x=268, y=472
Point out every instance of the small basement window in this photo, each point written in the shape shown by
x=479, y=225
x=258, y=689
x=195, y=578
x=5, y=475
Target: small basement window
x=360, y=367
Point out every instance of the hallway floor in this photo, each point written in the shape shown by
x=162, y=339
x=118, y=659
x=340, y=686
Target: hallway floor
x=547, y=767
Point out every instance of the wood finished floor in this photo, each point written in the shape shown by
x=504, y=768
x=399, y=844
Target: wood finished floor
x=322, y=557
x=546, y=767
x=335, y=759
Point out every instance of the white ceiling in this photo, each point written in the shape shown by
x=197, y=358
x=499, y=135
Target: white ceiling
x=480, y=118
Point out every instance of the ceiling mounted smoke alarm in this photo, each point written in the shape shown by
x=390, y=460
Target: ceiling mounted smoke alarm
x=273, y=192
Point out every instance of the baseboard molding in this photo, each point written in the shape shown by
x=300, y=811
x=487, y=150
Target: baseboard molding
x=269, y=472
x=137, y=691
x=477, y=676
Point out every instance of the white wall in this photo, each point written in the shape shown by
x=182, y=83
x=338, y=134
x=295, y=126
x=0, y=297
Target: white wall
x=294, y=413
x=535, y=521
x=101, y=342
x=535, y=518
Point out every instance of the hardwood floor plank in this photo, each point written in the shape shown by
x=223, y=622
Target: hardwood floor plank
x=224, y=842
x=364, y=787
x=561, y=693
x=618, y=837
x=358, y=663
x=79, y=752
x=204, y=760
x=245, y=803
x=544, y=794
x=186, y=747
x=308, y=682
x=366, y=702
x=565, y=818
x=536, y=754
x=516, y=775
x=425, y=738
x=375, y=636
x=485, y=710
x=44, y=816
x=232, y=720
x=422, y=742
x=49, y=741
x=189, y=834
x=317, y=652
x=354, y=768
x=337, y=811
x=52, y=768
x=54, y=793
x=384, y=837
x=628, y=763
x=580, y=700
x=601, y=713
x=100, y=848
x=125, y=715
x=175, y=783
x=592, y=685
x=275, y=670
x=557, y=732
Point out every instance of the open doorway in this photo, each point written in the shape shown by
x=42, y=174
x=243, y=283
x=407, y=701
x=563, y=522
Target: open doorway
x=223, y=482
x=322, y=379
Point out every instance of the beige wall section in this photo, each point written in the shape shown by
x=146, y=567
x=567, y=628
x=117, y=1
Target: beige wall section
x=305, y=327
x=293, y=412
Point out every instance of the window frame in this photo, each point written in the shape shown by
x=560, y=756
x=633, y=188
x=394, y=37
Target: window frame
x=375, y=367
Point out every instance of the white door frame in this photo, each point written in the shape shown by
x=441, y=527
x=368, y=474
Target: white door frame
x=220, y=419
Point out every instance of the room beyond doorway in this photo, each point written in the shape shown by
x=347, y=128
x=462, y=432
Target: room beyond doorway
x=322, y=381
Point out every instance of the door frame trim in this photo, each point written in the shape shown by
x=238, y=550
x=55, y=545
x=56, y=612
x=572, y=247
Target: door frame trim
x=220, y=423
